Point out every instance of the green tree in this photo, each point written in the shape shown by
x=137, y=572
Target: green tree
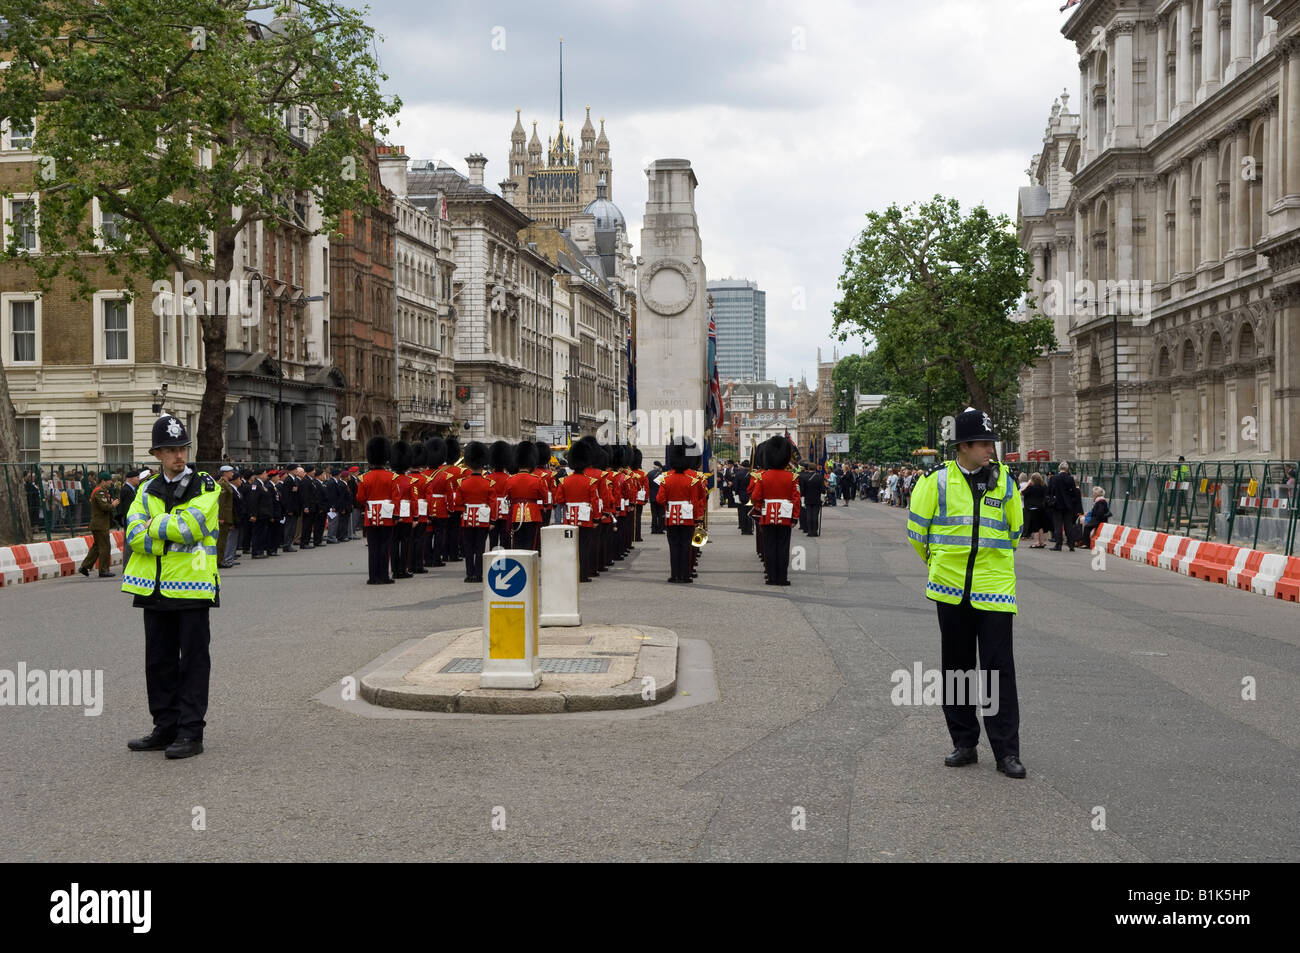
x=188, y=121
x=934, y=288
x=889, y=432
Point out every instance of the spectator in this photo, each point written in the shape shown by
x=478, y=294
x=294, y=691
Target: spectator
x=32, y=488
x=1066, y=507
x=1099, y=514
x=1036, y=512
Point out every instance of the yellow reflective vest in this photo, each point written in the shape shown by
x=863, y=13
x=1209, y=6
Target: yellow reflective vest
x=174, y=549
x=970, y=555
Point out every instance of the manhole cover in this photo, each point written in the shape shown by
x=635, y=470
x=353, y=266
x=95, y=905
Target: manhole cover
x=555, y=666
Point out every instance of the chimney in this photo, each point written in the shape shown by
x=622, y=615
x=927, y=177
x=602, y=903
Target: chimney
x=508, y=189
x=476, y=163
x=392, y=168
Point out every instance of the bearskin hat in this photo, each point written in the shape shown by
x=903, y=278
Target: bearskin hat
x=616, y=459
x=760, y=456
x=525, y=456
x=778, y=453
x=419, y=455
x=453, y=449
x=636, y=458
x=476, y=454
x=676, y=456
x=543, y=453
x=579, y=457
x=436, y=451
x=499, y=456
x=600, y=457
x=401, y=456
x=378, y=451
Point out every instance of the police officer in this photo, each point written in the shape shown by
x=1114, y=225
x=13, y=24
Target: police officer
x=174, y=578
x=964, y=522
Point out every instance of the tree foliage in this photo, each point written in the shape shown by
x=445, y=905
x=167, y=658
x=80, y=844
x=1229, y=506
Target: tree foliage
x=890, y=432
x=934, y=288
x=176, y=117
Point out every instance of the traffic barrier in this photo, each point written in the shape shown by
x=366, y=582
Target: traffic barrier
x=1182, y=562
x=1271, y=568
x=1105, y=535
x=1213, y=562
x=1175, y=546
x=1288, y=587
x=42, y=557
x=52, y=560
x=1244, y=568
x=1145, y=540
x=1123, y=542
x=10, y=574
x=59, y=548
x=1158, y=547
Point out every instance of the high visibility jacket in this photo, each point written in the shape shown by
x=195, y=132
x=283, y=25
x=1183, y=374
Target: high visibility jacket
x=174, y=544
x=969, y=554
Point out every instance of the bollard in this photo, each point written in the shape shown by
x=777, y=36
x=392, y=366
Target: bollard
x=560, y=576
x=510, y=619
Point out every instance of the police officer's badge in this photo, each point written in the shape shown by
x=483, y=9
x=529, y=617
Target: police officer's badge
x=173, y=427
x=988, y=423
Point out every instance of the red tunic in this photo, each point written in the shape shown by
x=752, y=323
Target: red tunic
x=454, y=475
x=679, y=499
x=477, y=499
x=404, y=498
x=500, y=501
x=438, y=492
x=527, y=495
x=374, y=489
x=767, y=494
x=572, y=492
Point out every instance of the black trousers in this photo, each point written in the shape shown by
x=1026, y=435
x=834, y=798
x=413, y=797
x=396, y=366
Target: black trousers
x=472, y=539
x=607, y=551
x=318, y=526
x=245, y=535
x=776, y=541
x=963, y=628
x=415, y=555
x=636, y=537
x=438, y=542
x=290, y=528
x=758, y=541
x=679, y=552
x=499, y=534
x=176, y=669
x=586, y=552
x=379, y=539
x=260, y=529
x=656, y=519
x=453, y=540
x=813, y=519
x=524, y=536
x=742, y=516
x=1064, y=528
x=401, y=542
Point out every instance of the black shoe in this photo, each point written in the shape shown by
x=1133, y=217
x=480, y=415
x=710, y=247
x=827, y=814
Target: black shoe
x=419, y=572
x=962, y=756
x=184, y=748
x=306, y=546
x=262, y=556
x=1011, y=767
x=156, y=740
x=385, y=582
x=289, y=549
x=331, y=542
x=1056, y=549
x=84, y=571
x=105, y=574
x=225, y=565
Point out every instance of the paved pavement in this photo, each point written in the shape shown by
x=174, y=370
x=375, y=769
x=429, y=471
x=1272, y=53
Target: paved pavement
x=1130, y=684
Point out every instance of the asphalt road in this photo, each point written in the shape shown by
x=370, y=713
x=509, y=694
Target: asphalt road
x=1130, y=692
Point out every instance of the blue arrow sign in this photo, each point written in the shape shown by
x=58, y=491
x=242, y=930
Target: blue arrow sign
x=507, y=577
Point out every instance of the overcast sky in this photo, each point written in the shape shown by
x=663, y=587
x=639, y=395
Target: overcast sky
x=798, y=118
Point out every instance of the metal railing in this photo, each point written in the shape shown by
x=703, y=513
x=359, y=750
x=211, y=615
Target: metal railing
x=1252, y=503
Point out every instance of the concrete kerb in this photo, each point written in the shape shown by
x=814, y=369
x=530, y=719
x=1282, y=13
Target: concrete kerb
x=391, y=686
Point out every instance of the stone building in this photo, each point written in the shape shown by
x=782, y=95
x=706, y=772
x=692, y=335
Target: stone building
x=562, y=184
x=1185, y=195
x=363, y=311
x=753, y=410
x=426, y=326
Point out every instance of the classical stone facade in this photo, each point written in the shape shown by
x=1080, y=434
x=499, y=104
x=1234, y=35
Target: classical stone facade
x=426, y=328
x=1185, y=195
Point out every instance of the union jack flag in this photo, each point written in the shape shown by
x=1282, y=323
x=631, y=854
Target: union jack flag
x=1068, y=4
x=716, y=413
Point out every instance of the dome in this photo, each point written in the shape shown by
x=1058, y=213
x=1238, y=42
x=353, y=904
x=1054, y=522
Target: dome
x=607, y=214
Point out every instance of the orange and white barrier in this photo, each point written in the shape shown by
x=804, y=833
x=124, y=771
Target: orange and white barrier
x=1251, y=570
x=57, y=558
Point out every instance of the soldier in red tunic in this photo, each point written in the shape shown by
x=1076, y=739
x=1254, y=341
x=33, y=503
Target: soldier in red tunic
x=419, y=510
x=375, y=495
x=678, y=498
x=402, y=501
x=451, y=547
x=477, y=498
x=437, y=493
x=579, y=495
x=642, y=492
x=776, y=501
x=544, y=473
x=501, y=459
x=527, y=494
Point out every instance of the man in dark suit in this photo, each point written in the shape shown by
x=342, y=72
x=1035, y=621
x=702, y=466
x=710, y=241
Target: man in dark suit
x=1066, y=506
x=244, y=510
x=813, y=487
x=653, y=479
x=291, y=502
x=260, y=509
x=740, y=482
x=311, y=502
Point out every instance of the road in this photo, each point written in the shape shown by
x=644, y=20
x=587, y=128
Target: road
x=1130, y=693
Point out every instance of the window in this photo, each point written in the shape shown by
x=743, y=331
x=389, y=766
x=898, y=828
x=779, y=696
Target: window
x=29, y=439
x=187, y=335
x=109, y=224
x=20, y=222
x=18, y=135
x=114, y=328
x=118, y=445
x=22, y=330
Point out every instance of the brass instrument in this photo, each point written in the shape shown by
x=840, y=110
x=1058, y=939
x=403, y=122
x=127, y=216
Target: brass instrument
x=701, y=535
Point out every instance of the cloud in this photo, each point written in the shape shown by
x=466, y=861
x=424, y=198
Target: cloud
x=798, y=118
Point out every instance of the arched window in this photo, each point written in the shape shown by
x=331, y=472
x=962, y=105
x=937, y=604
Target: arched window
x=1215, y=351
x=1164, y=366
x=1246, y=343
x=1256, y=186
x=1189, y=355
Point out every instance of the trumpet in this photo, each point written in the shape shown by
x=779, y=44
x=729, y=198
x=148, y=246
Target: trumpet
x=701, y=535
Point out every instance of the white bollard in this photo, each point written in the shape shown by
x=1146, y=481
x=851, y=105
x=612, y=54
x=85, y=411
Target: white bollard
x=560, y=576
x=510, y=619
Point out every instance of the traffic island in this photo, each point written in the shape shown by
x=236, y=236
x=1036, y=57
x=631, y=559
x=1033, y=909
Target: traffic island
x=583, y=668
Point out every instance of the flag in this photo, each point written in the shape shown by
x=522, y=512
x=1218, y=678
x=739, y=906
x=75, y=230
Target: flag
x=1068, y=4
x=715, y=414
